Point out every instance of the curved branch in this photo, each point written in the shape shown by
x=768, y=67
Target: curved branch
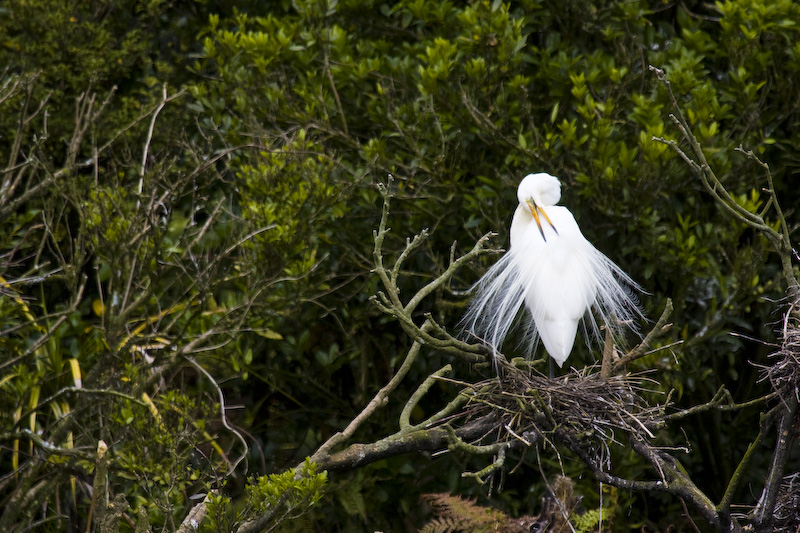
x=223, y=417
x=722, y=401
x=389, y=302
x=715, y=188
x=422, y=390
x=640, y=350
x=423, y=440
x=379, y=400
x=767, y=420
x=478, y=249
x=707, y=176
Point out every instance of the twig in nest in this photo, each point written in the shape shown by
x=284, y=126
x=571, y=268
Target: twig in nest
x=584, y=406
x=784, y=375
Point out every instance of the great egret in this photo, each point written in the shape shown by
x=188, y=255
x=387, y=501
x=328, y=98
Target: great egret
x=555, y=272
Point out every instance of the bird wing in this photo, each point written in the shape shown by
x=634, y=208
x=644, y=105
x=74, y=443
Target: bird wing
x=520, y=222
x=559, y=285
x=558, y=280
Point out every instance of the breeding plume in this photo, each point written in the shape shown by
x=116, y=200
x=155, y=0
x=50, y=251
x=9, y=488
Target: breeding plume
x=553, y=270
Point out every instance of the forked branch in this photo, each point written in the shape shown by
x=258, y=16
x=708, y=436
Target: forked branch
x=389, y=300
x=785, y=412
x=716, y=189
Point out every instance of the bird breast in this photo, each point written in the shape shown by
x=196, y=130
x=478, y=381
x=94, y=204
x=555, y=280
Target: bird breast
x=559, y=283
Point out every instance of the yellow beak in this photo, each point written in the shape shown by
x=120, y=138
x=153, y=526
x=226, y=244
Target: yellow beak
x=535, y=210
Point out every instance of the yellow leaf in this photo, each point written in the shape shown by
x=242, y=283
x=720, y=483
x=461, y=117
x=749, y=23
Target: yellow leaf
x=75, y=367
x=153, y=410
x=34, y=400
x=269, y=334
x=15, y=446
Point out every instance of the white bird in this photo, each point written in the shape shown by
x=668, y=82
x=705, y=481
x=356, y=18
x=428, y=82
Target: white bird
x=555, y=272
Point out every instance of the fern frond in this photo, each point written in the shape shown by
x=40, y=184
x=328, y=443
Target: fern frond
x=454, y=514
x=442, y=525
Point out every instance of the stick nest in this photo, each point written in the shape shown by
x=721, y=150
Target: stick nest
x=787, y=507
x=582, y=408
x=784, y=376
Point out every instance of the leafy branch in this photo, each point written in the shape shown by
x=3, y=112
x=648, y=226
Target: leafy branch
x=780, y=239
x=763, y=514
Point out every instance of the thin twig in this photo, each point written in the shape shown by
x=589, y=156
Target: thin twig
x=149, y=137
x=223, y=416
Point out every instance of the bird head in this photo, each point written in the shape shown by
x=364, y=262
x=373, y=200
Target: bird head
x=543, y=189
x=537, y=191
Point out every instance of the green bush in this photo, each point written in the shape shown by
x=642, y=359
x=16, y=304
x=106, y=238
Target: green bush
x=229, y=229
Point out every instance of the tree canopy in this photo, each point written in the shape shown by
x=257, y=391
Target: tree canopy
x=237, y=245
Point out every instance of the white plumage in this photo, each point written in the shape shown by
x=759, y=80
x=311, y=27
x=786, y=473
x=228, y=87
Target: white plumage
x=555, y=272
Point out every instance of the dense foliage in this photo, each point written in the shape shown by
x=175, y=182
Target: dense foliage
x=187, y=212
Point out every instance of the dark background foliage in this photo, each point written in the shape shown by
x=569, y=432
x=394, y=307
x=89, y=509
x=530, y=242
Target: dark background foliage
x=242, y=246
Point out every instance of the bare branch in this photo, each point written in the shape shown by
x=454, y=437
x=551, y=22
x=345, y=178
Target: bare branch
x=422, y=390
x=223, y=416
x=722, y=401
x=192, y=522
x=379, y=400
x=716, y=189
x=146, y=149
x=640, y=350
x=767, y=421
x=390, y=302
